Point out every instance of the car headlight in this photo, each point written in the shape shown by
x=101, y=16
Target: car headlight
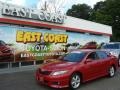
x=59, y=72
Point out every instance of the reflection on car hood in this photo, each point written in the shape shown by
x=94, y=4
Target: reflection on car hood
x=4, y=48
x=58, y=65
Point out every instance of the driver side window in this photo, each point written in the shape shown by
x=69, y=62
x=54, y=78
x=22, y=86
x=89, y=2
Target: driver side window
x=92, y=56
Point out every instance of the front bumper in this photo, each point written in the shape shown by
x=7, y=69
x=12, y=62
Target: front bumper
x=61, y=81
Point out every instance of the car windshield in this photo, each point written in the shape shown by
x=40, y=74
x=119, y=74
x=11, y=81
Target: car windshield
x=111, y=46
x=74, y=57
x=2, y=43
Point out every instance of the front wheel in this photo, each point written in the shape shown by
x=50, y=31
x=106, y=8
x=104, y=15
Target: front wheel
x=111, y=71
x=75, y=81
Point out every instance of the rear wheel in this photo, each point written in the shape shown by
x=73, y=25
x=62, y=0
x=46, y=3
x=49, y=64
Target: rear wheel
x=111, y=71
x=75, y=81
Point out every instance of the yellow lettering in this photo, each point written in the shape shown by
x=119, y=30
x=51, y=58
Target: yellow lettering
x=33, y=37
x=55, y=38
x=27, y=37
x=38, y=37
x=51, y=38
x=65, y=38
x=19, y=36
x=46, y=37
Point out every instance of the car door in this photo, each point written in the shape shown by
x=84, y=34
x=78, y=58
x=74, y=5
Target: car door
x=103, y=62
x=92, y=68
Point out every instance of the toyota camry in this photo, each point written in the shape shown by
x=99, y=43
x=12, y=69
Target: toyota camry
x=75, y=68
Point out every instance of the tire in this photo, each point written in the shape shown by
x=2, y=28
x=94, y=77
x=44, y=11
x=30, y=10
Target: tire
x=75, y=81
x=111, y=71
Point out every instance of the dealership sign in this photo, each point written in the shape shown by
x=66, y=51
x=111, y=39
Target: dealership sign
x=28, y=44
x=33, y=37
x=35, y=14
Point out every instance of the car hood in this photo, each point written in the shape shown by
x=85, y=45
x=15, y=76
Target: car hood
x=4, y=48
x=61, y=65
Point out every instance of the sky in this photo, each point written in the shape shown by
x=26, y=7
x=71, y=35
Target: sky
x=60, y=4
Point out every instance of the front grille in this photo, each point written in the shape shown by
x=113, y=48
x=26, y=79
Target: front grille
x=44, y=72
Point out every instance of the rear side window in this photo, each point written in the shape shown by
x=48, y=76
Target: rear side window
x=102, y=54
x=93, y=56
x=111, y=46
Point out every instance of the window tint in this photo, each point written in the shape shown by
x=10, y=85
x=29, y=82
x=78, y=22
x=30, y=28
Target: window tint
x=102, y=54
x=92, y=56
x=74, y=57
x=2, y=43
x=111, y=46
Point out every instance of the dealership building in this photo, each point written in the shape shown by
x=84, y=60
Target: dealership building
x=24, y=30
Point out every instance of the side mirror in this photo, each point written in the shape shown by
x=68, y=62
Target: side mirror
x=88, y=60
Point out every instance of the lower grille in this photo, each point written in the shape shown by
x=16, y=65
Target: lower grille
x=44, y=72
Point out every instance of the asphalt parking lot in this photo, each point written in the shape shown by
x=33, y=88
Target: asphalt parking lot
x=25, y=81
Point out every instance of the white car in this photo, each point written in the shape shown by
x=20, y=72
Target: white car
x=113, y=48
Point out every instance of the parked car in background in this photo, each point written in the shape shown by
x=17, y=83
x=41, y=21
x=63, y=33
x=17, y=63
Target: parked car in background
x=113, y=48
x=5, y=52
x=90, y=45
x=75, y=68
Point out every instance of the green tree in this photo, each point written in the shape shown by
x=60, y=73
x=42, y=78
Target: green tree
x=80, y=11
x=105, y=12
x=108, y=12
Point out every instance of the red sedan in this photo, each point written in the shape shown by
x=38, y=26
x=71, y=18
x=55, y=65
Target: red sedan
x=75, y=68
x=5, y=52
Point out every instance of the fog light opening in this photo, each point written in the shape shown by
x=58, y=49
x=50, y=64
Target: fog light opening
x=56, y=83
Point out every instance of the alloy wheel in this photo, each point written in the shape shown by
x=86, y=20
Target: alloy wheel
x=111, y=71
x=75, y=81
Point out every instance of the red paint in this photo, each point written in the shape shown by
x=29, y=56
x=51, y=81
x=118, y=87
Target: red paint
x=90, y=45
x=5, y=52
x=89, y=70
x=35, y=24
